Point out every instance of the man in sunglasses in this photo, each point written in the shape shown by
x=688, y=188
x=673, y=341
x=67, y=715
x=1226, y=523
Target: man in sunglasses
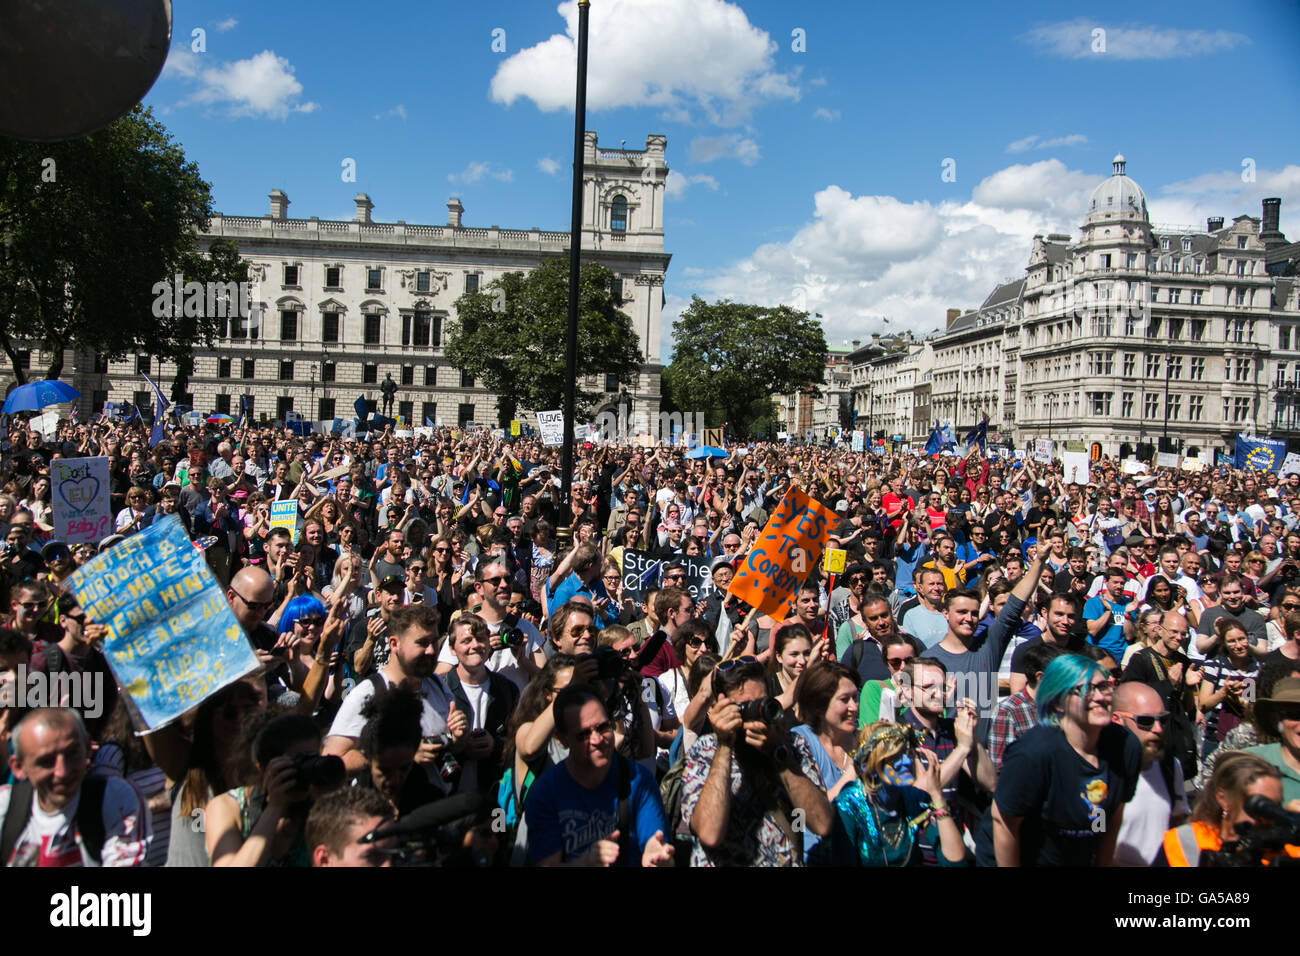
x=29, y=603
x=1160, y=802
x=251, y=596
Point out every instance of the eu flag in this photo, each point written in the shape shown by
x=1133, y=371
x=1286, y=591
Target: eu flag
x=1258, y=454
x=979, y=435
x=935, y=443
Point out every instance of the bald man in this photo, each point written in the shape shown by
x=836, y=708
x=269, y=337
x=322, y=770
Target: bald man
x=53, y=815
x=251, y=596
x=1160, y=802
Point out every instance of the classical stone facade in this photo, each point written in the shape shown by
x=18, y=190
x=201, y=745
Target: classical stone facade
x=341, y=305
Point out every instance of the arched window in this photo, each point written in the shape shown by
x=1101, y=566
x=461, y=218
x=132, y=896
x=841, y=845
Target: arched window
x=618, y=215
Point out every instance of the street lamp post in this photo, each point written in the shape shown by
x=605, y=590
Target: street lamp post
x=564, y=533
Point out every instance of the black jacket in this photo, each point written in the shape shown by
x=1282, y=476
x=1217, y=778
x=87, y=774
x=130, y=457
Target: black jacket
x=503, y=695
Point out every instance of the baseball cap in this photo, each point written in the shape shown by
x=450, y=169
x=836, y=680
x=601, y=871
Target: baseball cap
x=392, y=582
x=842, y=505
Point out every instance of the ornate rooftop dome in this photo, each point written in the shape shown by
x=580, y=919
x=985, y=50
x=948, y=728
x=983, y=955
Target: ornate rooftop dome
x=1119, y=194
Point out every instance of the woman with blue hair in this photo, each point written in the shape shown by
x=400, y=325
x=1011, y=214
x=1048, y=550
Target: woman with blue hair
x=301, y=625
x=1063, y=785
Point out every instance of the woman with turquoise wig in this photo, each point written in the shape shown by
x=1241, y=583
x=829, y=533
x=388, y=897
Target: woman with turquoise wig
x=301, y=626
x=1063, y=784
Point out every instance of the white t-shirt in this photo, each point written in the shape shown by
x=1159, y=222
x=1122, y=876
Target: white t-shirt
x=435, y=702
x=1146, y=817
x=50, y=839
x=503, y=662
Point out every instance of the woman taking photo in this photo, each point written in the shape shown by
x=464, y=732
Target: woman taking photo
x=826, y=700
x=893, y=813
x=261, y=822
x=1063, y=784
x=1224, y=682
x=1220, y=807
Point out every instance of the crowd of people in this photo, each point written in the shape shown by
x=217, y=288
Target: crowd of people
x=1013, y=668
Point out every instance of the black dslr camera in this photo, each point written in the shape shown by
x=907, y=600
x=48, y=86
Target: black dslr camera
x=1257, y=841
x=318, y=771
x=767, y=709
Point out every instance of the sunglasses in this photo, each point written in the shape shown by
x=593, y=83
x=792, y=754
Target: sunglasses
x=603, y=729
x=695, y=642
x=312, y=621
x=731, y=664
x=896, y=663
x=1145, y=721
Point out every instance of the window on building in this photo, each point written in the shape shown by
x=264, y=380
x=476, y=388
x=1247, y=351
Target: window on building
x=1130, y=360
x=249, y=369
x=330, y=327
x=1175, y=409
x=325, y=410
x=328, y=371
x=471, y=282
x=1236, y=331
x=408, y=375
x=1175, y=329
x=1126, y=405
x=246, y=404
x=430, y=375
x=406, y=328
x=1195, y=408
x=436, y=339
x=1131, y=260
x=101, y=367
x=1284, y=337
x=466, y=380
x=1241, y=267
x=616, y=288
x=1100, y=402
x=464, y=413
x=1153, y=327
x=222, y=405
x=1281, y=374
x=1164, y=243
x=1173, y=264
x=143, y=400
x=1176, y=366
x=369, y=373
x=286, y=371
x=1187, y=244
x=283, y=406
x=374, y=280
x=1241, y=297
x=1197, y=330
x=290, y=275
x=1243, y=370
x=373, y=320
x=1197, y=369
x=223, y=368
x=1101, y=363
x=1241, y=242
x=1105, y=260
x=333, y=280
x=143, y=364
x=98, y=397
x=1241, y=409
x=618, y=214
x=1153, y=366
x=288, y=326
x=1131, y=324
x=1151, y=407
x=1197, y=296
x=406, y=410
x=1175, y=295
x=1101, y=325
x=422, y=281
x=421, y=332
x=428, y=412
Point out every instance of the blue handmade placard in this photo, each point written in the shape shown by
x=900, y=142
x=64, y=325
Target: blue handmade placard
x=172, y=639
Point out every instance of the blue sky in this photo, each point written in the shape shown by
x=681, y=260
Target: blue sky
x=807, y=141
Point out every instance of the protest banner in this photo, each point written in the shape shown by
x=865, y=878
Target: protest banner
x=79, y=493
x=1192, y=464
x=172, y=640
x=1258, y=454
x=1290, y=464
x=713, y=437
x=859, y=441
x=1132, y=466
x=641, y=573
x=551, y=425
x=1167, y=459
x=1076, y=464
x=284, y=514
x=783, y=554
x=1043, y=450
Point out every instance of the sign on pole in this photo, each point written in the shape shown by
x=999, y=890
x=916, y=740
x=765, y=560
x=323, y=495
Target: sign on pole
x=788, y=548
x=172, y=639
x=859, y=441
x=79, y=495
x=551, y=425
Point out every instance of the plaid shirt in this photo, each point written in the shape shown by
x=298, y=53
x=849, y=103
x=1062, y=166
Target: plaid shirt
x=1015, y=715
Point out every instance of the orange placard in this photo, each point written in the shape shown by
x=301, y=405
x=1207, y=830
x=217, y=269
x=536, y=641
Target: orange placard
x=786, y=551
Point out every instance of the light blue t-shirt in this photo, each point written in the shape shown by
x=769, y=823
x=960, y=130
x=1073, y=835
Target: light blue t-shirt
x=563, y=815
x=1110, y=640
x=928, y=627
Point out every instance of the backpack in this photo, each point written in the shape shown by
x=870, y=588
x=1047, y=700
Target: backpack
x=90, y=817
x=670, y=792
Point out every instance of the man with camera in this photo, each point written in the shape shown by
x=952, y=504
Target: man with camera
x=595, y=808
x=412, y=636
x=750, y=788
x=515, y=644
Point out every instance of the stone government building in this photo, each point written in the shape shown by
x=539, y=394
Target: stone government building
x=345, y=303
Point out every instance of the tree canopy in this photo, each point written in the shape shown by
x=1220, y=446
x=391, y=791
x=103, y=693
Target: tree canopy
x=731, y=358
x=512, y=335
x=87, y=228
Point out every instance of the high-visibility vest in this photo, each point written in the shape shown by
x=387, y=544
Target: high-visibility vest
x=1186, y=843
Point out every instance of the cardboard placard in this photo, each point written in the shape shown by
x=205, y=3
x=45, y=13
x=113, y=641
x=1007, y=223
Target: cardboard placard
x=284, y=514
x=786, y=550
x=551, y=425
x=79, y=494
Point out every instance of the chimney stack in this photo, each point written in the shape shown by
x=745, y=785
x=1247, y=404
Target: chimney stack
x=856, y=343
x=1268, y=229
x=364, y=205
x=1214, y=223
x=279, y=204
x=454, y=211
x=952, y=317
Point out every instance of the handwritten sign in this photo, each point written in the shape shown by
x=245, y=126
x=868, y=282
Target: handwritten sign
x=79, y=493
x=833, y=560
x=551, y=425
x=1076, y=465
x=642, y=571
x=172, y=640
x=859, y=441
x=784, y=553
x=284, y=514
x=1043, y=450
x=1167, y=459
x=1290, y=465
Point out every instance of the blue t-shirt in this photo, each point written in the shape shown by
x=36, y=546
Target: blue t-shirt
x=563, y=815
x=1110, y=640
x=906, y=558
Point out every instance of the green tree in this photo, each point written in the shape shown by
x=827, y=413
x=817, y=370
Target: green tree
x=87, y=228
x=732, y=358
x=512, y=333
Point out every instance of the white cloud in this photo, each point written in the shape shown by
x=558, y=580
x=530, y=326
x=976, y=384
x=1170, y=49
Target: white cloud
x=1033, y=142
x=678, y=183
x=549, y=166
x=227, y=24
x=823, y=113
x=1074, y=39
x=399, y=111
x=1192, y=201
x=862, y=258
x=686, y=58
x=261, y=86
x=705, y=149
x=817, y=81
x=475, y=172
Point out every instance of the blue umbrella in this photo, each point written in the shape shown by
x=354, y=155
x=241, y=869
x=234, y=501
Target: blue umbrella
x=706, y=451
x=36, y=395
